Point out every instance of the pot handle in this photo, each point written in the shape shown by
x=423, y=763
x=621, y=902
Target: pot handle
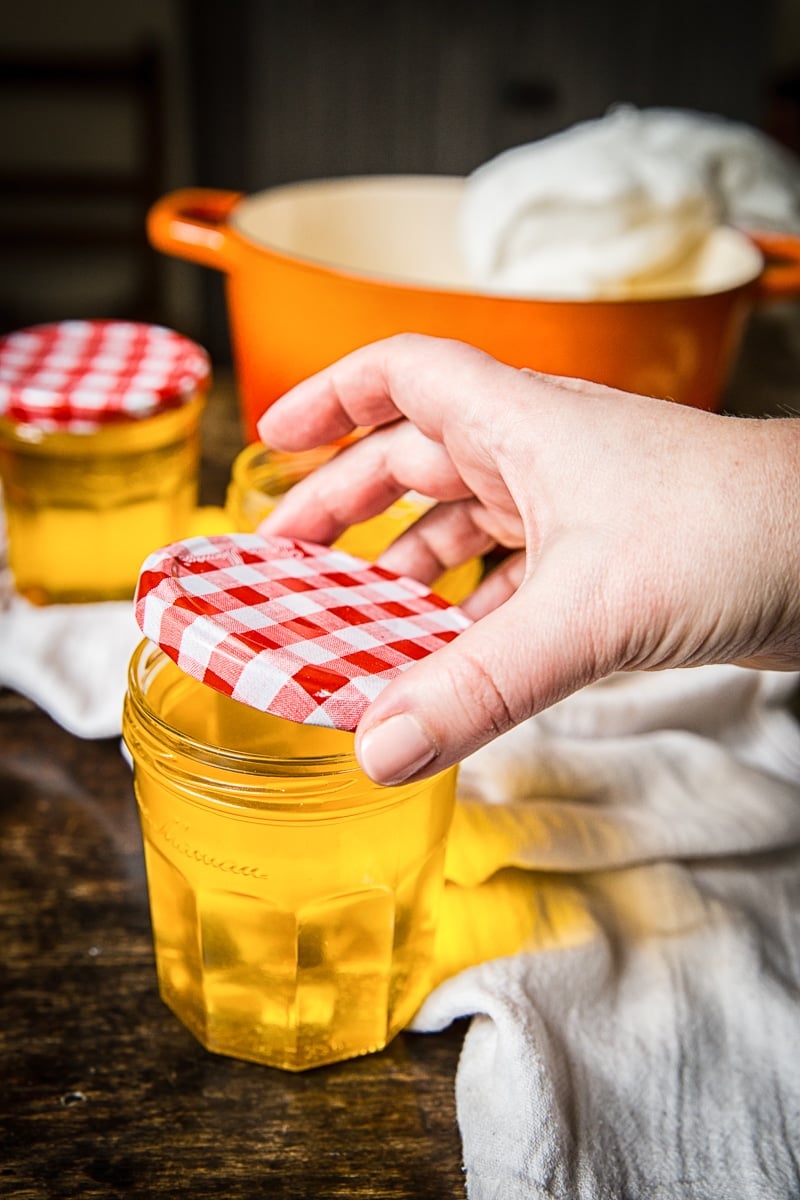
x=192, y=223
x=780, y=279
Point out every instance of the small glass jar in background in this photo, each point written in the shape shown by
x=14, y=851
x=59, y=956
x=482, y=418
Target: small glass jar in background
x=294, y=902
x=99, y=452
x=260, y=476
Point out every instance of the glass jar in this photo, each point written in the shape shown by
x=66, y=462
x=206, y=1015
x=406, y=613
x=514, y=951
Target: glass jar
x=83, y=510
x=294, y=902
x=261, y=475
x=99, y=453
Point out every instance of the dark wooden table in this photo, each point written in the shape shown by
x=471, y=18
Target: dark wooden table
x=103, y=1093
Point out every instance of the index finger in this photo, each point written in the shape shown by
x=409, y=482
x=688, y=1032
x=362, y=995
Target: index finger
x=375, y=385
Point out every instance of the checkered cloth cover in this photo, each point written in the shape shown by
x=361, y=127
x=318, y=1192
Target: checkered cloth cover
x=291, y=628
x=78, y=375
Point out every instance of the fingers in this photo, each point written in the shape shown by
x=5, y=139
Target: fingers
x=445, y=537
x=364, y=479
x=353, y=486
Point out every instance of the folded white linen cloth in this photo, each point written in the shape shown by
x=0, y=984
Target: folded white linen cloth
x=71, y=660
x=622, y=922
x=611, y=204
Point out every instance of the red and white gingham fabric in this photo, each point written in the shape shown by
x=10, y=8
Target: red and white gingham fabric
x=298, y=630
x=79, y=375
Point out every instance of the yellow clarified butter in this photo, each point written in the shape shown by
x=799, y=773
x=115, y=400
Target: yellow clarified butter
x=294, y=903
x=99, y=452
x=84, y=510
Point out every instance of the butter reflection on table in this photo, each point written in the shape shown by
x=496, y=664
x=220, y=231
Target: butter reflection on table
x=496, y=905
x=493, y=904
x=513, y=911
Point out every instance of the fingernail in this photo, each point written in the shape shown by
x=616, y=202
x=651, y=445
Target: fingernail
x=395, y=749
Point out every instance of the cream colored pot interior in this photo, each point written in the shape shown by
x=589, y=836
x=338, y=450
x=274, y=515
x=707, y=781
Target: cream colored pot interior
x=404, y=229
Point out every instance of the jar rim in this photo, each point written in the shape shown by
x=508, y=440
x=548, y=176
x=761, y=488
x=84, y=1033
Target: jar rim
x=77, y=434
x=258, y=464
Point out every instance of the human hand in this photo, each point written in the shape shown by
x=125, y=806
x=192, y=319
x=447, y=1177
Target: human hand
x=645, y=534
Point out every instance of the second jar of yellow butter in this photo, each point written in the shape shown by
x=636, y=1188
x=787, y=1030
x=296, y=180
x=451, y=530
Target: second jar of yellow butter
x=99, y=452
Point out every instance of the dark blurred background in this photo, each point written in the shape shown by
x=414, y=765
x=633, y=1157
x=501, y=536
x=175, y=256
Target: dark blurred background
x=106, y=105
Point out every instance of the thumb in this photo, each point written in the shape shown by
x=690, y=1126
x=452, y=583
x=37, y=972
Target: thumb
x=512, y=663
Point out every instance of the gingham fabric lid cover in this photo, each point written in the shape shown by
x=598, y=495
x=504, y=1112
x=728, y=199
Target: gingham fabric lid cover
x=82, y=374
x=301, y=631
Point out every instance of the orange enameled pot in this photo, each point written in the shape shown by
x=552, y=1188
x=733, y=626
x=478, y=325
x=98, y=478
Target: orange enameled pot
x=318, y=268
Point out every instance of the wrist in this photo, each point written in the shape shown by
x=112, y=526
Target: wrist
x=770, y=504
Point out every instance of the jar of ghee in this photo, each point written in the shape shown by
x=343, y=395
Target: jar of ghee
x=99, y=452
x=294, y=902
x=260, y=476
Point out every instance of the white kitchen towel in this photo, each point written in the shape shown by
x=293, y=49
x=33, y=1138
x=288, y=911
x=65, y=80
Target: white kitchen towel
x=622, y=923
x=611, y=204
x=70, y=659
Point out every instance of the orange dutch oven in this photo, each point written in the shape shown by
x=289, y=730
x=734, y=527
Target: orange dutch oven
x=315, y=269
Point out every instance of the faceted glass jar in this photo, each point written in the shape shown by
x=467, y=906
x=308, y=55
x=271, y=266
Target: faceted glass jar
x=260, y=476
x=294, y=902
x=84, y=509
